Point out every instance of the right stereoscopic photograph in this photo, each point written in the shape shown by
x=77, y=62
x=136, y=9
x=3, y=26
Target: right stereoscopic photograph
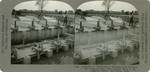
x=106, y=33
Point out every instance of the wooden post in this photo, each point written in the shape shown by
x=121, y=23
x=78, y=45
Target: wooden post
x=15, y=24
x=32, y=23
x=58, y=30
x=33, y=26
x=80, y=24
x=58, y=33
x=46, y=23
x=112, y=23
x=98, y=23
x=123, y=23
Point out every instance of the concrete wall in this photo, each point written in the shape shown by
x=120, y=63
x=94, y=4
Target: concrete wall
x=102, y=36
x=17, y=37
x=37, y=35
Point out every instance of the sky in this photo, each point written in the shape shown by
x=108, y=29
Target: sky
x=95, y=5
x=117, y=6
x=50, y=6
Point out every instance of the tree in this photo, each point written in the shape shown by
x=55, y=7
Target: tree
x=60, y=12
x=78, y=12
x=122, y=11
x=56, y=10
x=70, y=11
x=41, y=4
x=108, y=4
x=85, y=13
x=14, y=12
x=66, y=12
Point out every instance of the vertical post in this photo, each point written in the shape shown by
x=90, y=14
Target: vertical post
x=58, y=28
x=81, y=27
x=46, y=23
x=32, y=23
x=123, y=23
x=112, y=23
x=15, y=24
x=58, y=33
x=80, y=24
x=98, y=23
x=46, y=27
x=33, y=26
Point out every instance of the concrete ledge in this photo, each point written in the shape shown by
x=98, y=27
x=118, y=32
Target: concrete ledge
x=114, y=54
x=130, y=48
x=27, y=60
x=65, y=48
x=49, y=53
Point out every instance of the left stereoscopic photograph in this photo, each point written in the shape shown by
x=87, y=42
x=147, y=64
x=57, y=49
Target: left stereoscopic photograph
x=42, y=32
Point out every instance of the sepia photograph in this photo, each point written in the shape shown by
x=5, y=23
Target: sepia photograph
x=42, y=32
x=106, y=33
